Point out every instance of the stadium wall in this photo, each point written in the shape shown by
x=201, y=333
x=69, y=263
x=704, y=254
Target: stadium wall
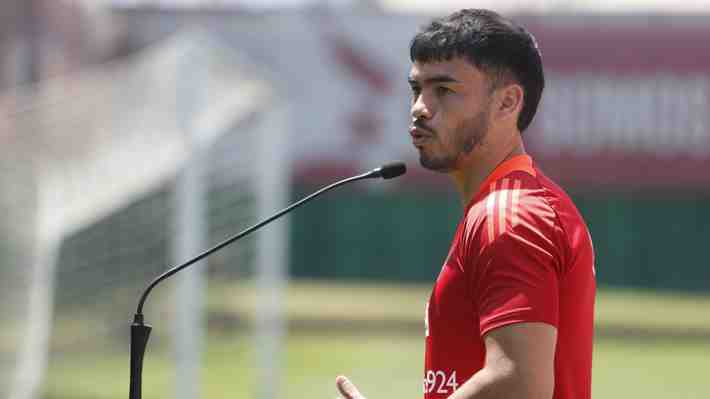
x=641, y=240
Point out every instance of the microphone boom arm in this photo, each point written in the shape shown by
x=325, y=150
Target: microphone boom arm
x=251, y=229
x=140, y=331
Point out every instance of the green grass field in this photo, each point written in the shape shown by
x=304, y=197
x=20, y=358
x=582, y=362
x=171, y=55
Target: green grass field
x=387, y=363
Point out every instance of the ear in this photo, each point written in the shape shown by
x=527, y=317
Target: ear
x=508, y=102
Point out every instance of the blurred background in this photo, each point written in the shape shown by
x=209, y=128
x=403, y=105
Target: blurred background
x=136, y=133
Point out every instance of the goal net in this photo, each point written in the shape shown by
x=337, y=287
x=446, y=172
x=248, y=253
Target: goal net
x=109, y=177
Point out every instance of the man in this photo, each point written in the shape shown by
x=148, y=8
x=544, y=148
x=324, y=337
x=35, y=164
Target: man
x=511, y=313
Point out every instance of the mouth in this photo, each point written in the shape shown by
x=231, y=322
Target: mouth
x=419, y=141
x=419, y=136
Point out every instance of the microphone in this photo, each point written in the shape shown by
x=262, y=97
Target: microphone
x=140, y=332
x=390, y=170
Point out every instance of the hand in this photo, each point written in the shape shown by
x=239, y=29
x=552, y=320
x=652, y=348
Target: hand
x=347, y=389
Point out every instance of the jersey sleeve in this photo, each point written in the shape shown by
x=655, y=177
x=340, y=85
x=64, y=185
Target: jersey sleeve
x=517, y=278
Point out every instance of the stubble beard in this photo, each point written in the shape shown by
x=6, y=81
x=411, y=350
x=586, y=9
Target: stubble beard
x=467, y=136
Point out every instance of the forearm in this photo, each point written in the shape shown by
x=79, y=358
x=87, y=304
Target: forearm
x=486, y=384
x=501, y=384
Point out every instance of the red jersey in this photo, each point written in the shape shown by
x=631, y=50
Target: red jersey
x=521, y=253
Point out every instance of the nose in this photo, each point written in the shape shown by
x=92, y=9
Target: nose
x=419, y=109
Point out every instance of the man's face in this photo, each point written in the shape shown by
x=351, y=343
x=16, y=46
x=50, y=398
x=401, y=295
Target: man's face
x=450, y=111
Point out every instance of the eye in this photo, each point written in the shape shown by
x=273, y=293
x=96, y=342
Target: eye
x=442, y=91
x=416, y=90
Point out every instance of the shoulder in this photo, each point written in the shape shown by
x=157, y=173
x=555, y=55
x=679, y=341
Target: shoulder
x=513, y=203
x=516, y=213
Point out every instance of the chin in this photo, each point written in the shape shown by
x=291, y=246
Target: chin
x=436, y=165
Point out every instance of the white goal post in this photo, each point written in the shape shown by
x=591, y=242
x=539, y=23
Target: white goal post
x=108, y=177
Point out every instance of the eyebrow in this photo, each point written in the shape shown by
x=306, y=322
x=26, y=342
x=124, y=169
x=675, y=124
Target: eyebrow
x=433, y=79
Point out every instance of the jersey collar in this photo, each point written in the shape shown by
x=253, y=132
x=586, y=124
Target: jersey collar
x=523, y=163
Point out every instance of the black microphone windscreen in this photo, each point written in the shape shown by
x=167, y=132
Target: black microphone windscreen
x=392, y=170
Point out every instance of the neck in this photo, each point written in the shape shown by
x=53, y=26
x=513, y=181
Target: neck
x=479, y=166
